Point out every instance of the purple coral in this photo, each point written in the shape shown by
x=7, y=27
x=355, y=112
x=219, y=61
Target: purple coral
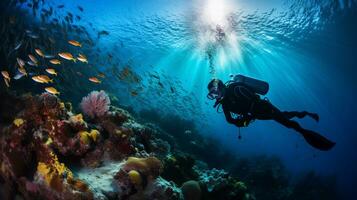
x=95, y=104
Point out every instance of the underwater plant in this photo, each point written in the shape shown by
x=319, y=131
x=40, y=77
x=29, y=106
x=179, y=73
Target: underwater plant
x=95, y=104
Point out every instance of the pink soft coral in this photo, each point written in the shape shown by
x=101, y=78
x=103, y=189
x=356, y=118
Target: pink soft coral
x=96, y=104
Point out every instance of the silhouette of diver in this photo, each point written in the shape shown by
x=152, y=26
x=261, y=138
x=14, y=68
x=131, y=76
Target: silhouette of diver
x=241, y=98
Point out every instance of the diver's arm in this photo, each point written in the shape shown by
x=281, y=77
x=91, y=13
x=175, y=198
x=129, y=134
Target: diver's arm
x=228, y=116
x=239, y=122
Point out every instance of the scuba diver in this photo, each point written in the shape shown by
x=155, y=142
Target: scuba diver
x=241, y=97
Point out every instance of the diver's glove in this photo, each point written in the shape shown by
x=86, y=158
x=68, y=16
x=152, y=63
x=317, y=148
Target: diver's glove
x=244, y=121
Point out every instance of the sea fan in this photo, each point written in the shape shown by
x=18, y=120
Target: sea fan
x=95, y=104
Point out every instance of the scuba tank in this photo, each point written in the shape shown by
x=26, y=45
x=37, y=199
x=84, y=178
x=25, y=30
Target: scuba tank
x=258, y=86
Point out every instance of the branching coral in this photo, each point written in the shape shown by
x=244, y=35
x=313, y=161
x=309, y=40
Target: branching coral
x=96, y=104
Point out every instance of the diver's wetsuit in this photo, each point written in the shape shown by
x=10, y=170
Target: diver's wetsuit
x=241, y=100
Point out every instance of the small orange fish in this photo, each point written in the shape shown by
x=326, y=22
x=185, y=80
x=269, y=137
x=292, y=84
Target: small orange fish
x=55, y=61
x=82, y=58
x=51, y=71
x=42, y=79
x=67, y=56
x=101, y=75
x=75, y=43
x=6, y=75
x=7, y=82
x=52, y=90
x=33, y=59
x=20, y=62
x=22, y=70
x=95, y=80
x=39, y=52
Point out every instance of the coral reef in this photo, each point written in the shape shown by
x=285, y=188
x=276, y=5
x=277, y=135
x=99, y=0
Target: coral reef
x=49, y=152
x=96, y=104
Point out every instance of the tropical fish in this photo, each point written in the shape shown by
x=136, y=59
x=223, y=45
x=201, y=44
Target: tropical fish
x=31, y=63
x=18, y=45
x=42, y=79
x=18, y=76
x=18, y=122
x=80, y=8
x=40, y=53
x=82, y=58
x=95, y=80
x=51, y=71
x=33, y=36
x=55, y=61
x=49, y=56
x=20, y=62
x=52, y=90
x=75, y=43
x=5, y=74
x=67, y=56
x=22, y=70
x=101, y=75
x=33, y=59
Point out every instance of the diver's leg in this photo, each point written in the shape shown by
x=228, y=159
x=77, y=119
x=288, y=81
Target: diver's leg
x=314, y=139
x=292, y=114
x=265, y=110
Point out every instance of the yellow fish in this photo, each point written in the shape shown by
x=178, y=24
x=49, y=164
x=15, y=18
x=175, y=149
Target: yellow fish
x=18, y=122
x=94, y=80
x=7, y=82
x=75, y=43
x=45, y=78
x=6, y=75
x=82, y=58
x=39, y=52
x=55, y=61
x=20, y=62
x=101, y=75
x=22, y=70
x=42, y=79
x=33, y=59
x=51, y=71
x=67, y=56
x=52, y=90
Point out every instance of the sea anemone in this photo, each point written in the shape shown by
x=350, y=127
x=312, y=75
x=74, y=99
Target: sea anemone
x=95, y=104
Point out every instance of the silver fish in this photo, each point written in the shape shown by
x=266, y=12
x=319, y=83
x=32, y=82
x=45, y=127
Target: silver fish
x=18, y=46
x=33, y=36
x=49, y=56
x=31, y=63
x=18, y=75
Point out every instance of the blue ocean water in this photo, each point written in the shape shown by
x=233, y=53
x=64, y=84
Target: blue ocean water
x=306, y=50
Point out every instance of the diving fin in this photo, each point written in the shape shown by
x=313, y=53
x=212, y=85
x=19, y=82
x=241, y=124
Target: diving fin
x=318, y=141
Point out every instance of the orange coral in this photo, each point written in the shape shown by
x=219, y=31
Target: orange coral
x=54, y=172
x=147, y=166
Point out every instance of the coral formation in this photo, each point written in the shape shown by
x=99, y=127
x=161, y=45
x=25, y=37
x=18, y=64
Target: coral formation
x=48, y=152
x=191, y=190
x=96, y=104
